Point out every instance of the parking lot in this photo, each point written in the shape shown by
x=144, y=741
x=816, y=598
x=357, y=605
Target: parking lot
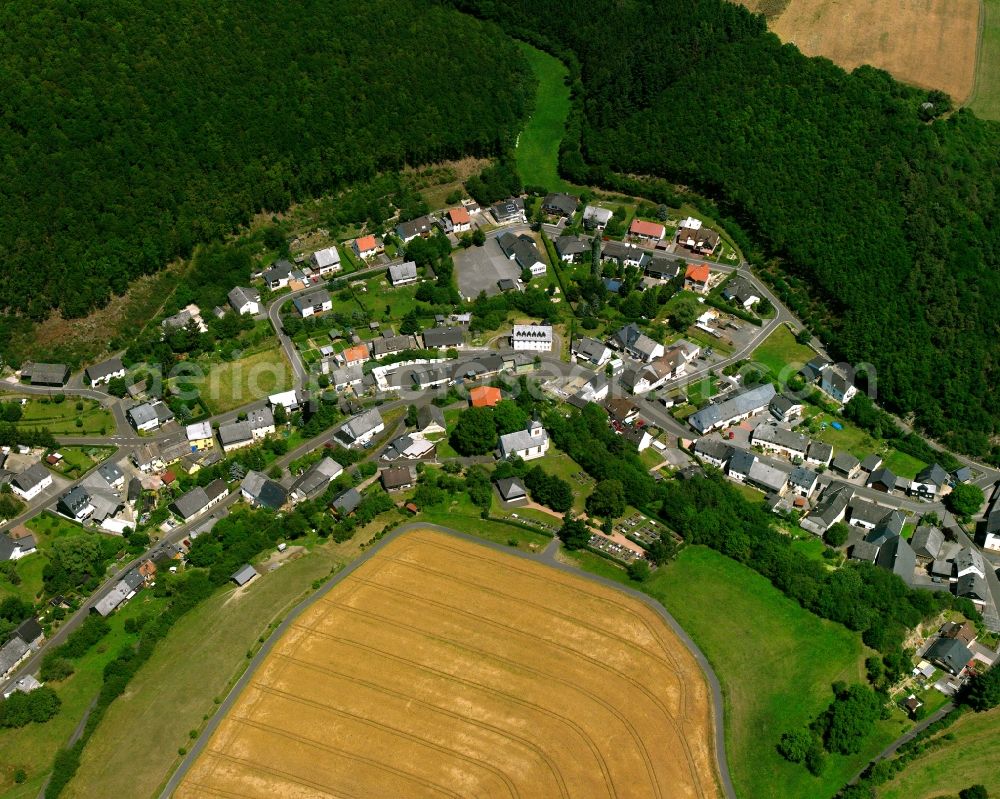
x=479, y=268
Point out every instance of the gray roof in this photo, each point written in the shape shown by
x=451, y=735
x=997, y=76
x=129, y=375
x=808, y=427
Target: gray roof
x=865, y=550
x=972, y=586
x=740, y=289
x=414, y=227
x=346, y=375
x=444, y=336
x=818, y=451
x=191, y=503
x=591, y=349
x=521, y=248
x=801, y=477
x=347, y=501
x=11, y=653
x=317, y=477
x=386, y=345
x=143, y=414
x=522, y=439
x=779, y=436
x=660, y=267
x=844, y=462
x=75, y=499
x=741, y=462
x=883, y=475
x=867, y=512
x=110, y=472
x=507, y=209
x=511, y=488
x=240, y=296
x=29, y=630
x=744, y=403
x=963, y=474
x=313, y=299
x=781, y=405
x=360, y=425
x=833, y=502
x=871, y=463
x=235, y=432
x=102, y=370
x=397, y=476
x=927, y=541
x=713, y=449
x=564, y=204
x=934, y=473
x=897, y=556
x=951, y=653
x=572, y=245
x=280, y=270
x=403, y=271
x=767, y=477
x=430, y=414
x=619, y=251
x=969, y=558
x=30, y=477
x=50, y=374
x=244, y=575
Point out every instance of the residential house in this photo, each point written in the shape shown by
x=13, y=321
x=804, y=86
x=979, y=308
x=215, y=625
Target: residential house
x=867, y=515
x=388, y=344
x=963, y=632
x=235, y=435
x=347, y=376
x=403, y=274
x=522, y=251
x=830, y=510
x=713, y=451
x=774, y=439
x=149, y=415
x=440, y=338
x=596, y=218
x=696, y=278
x=315, y=479
x=398, y=478
x=30, y=631
x=11, y=655
x=659, y=267
x=950, y=654
x=767, y=478
x=962, y=474
x=882, y=479
x=484, y=366
x=346, y=502
x=511, y=489
x=527, y=444
x=76, y=504
x=835, y=383
x=430, y=421
x=784, y=408
x=420, y=227
x=536, y=338
x=638, y=435
x=327, y=261
x=199, y=436
x=846, y=464
x=864, y=550
x=622, y=410
x=366, y=247
x=740, y=463
x=571, y=249
x=733, y=410
x=505, y=284
x=357, y=354
x=927, y=542
x=262, y=492
x=649, y=377
x=896, y=555
x=112, y=474
x=105, y=371
x=969, y=561
x=819, y=454
x=484, y=396
x=200, y=499
x=931, y=482
x=31, y=482
x=647, y=231
x=147, y=457
x=991, y=528
x=814, y=368
x=289, y=400
x=624, y=253
x=313, y=303
x=507, y=211
x=409, y=448
x=244, y=301
x=45, y=374
x=637, y=344
x=560, y=204
x=456, y=220
x=741, y=291
x=591, y=351
x=803, y=481
x=701, y=240
x=974, y=588
x=361, y=429
x=18, y=544
x=278, y=274
x=871, y=463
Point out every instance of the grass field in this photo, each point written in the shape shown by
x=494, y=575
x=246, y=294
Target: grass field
x=562, y=465
x=538, y=145
x=61, y=417
x=903, y=465
x=442, y=667
x=985, y=99
x=229, y=385
x=929, y=43
x=775, y=661
x=77, y=461
x=782, y=354
x=968, y=759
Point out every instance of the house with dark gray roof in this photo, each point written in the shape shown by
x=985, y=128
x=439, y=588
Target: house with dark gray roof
x=401, y=274
x=896, y=555
x=511, y=210
x=11, y=655
x=45, y=374
x=831, y=509
x=360, y=430
x=277, y=275
x=844, y=463
x=346, y=502
x=930, y=481
x=244, y=575
x=741, y=291
x=974, y=588
x=803, y=481
x=244, y=300
x=315, y=479
x=571, y=249
x=559, y=204
x=105, y=371
x=31, y=482
x=950, y=654
x=740, y=463
x=735, y=409
x=444, y=337
x=713, y=451
x=864, y=550
x=927, y=541
x=882, y=479
x=592, y=351
x=969, y=561
x=511, y=489
x=774, y=439
x=200, y=499
x=263, y=492
x=430, y=421
x=871, y=463
x=421, y=226
x=866, y=514
x=390, y=345
x=819, y=454
x=522, y=251
x=313, y=303
x=784, y=408
x=634, y=342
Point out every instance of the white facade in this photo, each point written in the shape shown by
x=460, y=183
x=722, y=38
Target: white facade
x=526, y=444
x=327, y=260
x=536, y=338
x=33, y=491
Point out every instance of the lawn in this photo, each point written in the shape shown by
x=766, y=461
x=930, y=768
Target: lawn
x=384, y=303
x=903, y=465
x=77, y=461
x=562, y=465
x=955, y=764
x=985, y=100
x=73, y=417
x=460, y=514
x=33, y=747
x=538, y=144
x=229, y=385
x=775, y=662
x=782, y=354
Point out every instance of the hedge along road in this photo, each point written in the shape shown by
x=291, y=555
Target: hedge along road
x=547, y=557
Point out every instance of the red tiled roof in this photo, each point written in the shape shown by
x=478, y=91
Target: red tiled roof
x=640, y=227
x=484, y=396
x=168, y=476
x=459, y=216
x=358, y=353
x=366, y=243
x=697, y=272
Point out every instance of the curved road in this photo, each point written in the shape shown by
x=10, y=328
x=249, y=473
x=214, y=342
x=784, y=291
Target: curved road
x=547, y=556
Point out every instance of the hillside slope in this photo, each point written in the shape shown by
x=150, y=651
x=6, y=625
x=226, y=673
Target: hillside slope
x=886, y=227
x=132, y=130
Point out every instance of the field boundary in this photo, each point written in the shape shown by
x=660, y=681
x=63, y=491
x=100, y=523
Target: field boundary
x=547, y=558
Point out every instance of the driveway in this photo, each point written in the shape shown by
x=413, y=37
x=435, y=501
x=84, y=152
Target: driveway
x=479, y=268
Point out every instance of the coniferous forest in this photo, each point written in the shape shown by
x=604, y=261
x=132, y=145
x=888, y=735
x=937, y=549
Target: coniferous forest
x=130, y=131
x=876, y=218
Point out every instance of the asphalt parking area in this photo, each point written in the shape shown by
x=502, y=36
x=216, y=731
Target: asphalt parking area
x=479, y=268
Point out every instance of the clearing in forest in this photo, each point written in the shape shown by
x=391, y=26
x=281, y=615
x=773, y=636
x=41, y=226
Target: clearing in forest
x=440, y=667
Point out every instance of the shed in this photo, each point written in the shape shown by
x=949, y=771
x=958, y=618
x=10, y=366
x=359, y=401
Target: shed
x=244, y=575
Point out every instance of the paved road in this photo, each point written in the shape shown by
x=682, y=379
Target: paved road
x=547, y=556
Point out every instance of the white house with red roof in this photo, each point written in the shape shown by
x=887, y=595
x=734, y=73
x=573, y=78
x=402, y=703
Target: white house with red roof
x=649, y=231
x=366, y=247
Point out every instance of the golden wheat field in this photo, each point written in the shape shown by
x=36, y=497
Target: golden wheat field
x=442, y=668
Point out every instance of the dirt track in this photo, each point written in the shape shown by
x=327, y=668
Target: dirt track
x=442, y=668
x=929, y=43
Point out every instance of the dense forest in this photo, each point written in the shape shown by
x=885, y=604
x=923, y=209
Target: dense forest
x=132, y=131
x=879, y=227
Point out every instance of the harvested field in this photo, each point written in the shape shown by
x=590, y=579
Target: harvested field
x=442, y=668
x=929, y=43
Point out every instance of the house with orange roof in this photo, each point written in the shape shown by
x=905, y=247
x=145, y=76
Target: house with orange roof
x=650, y=231
x=484, y=396
x=366, y=247
x=696, y=278
x=355, y=354
x=457, y=220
